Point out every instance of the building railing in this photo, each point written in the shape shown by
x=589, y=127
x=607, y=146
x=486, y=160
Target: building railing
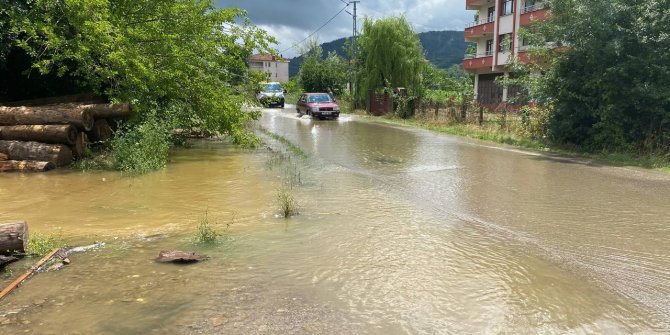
x=482, y=21
x=532, y=8
x=478, y=55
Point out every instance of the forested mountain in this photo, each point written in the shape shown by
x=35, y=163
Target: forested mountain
x=442, y=48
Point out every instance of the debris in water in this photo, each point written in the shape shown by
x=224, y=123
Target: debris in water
x=176, y=256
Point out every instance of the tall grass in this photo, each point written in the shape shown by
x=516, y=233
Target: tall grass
x=287, y=203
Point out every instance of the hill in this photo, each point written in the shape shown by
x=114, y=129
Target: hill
x=442, y=48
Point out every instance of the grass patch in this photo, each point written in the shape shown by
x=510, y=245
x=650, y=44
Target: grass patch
x=206, y=233
x=287, y=203
x=40, y=245
x=292, y=148
x=497, y=134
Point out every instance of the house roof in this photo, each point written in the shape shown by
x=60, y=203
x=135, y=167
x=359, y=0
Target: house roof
x=267, y=57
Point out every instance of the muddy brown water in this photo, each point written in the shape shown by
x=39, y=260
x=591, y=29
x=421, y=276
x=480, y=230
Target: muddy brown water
x=400, y=231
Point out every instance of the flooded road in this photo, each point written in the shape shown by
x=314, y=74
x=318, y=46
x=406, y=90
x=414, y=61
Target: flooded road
x=400, y=231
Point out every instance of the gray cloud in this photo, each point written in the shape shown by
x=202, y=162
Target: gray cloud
x=290, y=21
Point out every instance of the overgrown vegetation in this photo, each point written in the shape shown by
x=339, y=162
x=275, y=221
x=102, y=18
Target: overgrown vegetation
x=183, y=63
x=207, y=232
x=287, y=203
x=40, y=245
x=318, y=74
x=605, y=78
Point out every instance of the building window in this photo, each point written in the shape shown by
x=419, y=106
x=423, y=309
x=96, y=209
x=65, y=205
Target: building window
x=491, y=14
x=505, y=43
x=507, y=7
x=489, y=47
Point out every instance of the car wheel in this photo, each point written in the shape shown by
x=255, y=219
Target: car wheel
x=281, y=105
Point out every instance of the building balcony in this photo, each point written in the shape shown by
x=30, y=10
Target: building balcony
x=478, y=61
x=481, y=28
x=537, y=12
x=474, y=4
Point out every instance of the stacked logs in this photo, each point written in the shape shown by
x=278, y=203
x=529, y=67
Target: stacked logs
x=41, y=138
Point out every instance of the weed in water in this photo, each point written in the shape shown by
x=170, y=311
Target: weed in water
x=206, y=233
x=40, y=245
x=287, y=203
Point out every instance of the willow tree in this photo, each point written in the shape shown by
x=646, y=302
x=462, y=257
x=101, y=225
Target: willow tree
x=392, y=56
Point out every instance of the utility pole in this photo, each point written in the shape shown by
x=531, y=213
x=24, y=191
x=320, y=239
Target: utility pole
x=355, y=52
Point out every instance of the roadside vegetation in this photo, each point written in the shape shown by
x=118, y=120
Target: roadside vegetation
x=602, y=95
x=182, y=65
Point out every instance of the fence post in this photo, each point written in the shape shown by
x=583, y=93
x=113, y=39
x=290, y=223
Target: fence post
x=481, y=115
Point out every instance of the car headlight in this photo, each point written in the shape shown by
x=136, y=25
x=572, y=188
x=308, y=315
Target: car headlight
x=336, y=109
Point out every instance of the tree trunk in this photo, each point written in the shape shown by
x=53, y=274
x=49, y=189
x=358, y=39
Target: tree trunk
x=58, y=154
x=52, y=114
x=57, y=134
x=101, y=131
x=13, y=237
x=26, y=166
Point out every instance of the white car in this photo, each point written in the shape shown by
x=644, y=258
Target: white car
x=272, y=94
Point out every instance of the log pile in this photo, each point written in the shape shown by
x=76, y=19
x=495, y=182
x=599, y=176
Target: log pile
x=40, y=138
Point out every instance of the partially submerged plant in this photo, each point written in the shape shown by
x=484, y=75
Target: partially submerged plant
x=40, y=245
x=206, y=232
x=287, y=203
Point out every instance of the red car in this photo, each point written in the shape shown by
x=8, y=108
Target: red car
x=318, y=105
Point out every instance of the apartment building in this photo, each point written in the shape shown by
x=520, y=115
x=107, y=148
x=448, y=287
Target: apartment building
x=275, y=67
x=495, y=33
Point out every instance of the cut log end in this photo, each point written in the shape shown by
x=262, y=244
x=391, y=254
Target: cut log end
x=13, y=237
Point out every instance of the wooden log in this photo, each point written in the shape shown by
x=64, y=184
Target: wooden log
x=27, y=274
x=176, y=256
x=51, y=114
x=79, y=145
x=83, y=98
x=105, y=111
x=63, y=134
x=58, y=154
x=100, y=132
x=13, y=237
x=26, y=166
x=3, y=156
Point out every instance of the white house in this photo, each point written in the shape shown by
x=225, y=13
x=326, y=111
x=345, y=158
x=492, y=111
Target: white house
x=275, y=67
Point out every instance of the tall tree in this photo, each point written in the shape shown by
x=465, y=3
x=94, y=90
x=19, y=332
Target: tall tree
x=608, y=83
x=392, y=56
x=322, y=75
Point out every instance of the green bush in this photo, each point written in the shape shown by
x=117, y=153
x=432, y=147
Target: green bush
x=142, y=148
x=535, y=121
x=41, y=245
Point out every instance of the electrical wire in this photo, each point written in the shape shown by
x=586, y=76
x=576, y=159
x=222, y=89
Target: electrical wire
x=316, y=31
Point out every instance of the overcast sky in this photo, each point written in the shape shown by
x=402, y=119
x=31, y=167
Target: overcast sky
x=290, y=21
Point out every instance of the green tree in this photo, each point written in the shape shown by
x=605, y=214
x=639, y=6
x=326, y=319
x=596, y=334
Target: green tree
x=608, y=84
x=322, y=75
x=175, y=61
x=392, y=57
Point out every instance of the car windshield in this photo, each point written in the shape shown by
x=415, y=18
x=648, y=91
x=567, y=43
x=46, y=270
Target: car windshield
x=319, y=98
x=272, y=87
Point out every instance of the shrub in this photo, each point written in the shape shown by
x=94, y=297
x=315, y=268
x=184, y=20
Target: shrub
x=535, y=121
x=142, y=148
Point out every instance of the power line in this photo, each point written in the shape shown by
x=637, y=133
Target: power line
x=316, y=31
